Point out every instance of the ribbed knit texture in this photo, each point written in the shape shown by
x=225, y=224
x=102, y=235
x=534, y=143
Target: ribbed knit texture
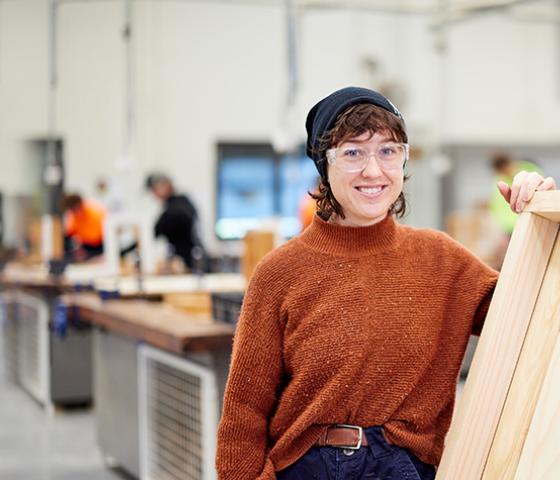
x=365, y=326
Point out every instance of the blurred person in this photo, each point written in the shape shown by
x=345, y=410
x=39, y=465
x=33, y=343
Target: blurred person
x=178, y=223
x=505, y=169
x=306, y=211
x=350, y=340
x=83, y=227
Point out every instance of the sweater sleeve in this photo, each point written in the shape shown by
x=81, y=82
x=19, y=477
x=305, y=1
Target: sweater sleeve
x=482, y=310
x=483, y=280
x=477, y=282
x=254, y=379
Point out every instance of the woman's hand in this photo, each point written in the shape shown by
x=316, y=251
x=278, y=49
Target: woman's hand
x=524, y=185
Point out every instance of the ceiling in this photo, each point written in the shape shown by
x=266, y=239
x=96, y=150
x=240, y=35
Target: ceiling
x=441, y=12
x=446, y=11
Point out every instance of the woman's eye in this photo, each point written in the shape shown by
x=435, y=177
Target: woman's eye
x=351, y=152
x=387, y=151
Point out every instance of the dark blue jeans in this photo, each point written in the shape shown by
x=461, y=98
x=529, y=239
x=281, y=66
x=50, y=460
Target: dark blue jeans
x=378, y=461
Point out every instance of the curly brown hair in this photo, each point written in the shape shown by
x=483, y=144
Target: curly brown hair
x=353, y=122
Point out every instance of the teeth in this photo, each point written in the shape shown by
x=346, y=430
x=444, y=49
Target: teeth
x=370, y=190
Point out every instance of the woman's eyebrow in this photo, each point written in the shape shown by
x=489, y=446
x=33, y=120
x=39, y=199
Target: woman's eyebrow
x=387, y=139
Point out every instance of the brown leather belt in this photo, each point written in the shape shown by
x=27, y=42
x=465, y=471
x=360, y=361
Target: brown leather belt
x=343, y=436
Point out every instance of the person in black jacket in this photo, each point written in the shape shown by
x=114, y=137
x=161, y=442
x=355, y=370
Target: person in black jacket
x=178, y=222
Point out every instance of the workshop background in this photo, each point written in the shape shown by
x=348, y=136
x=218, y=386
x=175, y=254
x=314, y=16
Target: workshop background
x=95, y=95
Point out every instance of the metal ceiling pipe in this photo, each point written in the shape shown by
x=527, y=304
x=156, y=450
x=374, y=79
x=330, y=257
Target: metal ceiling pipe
x=292, y=59
x=52, y=81
x=470, y=10
x=129, y=107
x=385, y=6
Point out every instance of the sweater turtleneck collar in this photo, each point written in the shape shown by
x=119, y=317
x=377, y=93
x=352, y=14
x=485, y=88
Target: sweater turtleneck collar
x=335, y=239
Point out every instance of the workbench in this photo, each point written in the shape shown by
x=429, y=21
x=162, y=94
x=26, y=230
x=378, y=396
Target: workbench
x=159, y=379
x=152, y=322
x=53, y=365
x=156, y=374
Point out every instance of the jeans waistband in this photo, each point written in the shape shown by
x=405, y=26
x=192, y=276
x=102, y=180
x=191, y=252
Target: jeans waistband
x=377, y=443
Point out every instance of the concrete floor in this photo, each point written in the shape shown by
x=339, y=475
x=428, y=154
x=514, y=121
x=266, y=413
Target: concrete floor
x=36, y=445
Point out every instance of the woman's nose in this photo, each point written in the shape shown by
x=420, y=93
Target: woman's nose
x=372, y=168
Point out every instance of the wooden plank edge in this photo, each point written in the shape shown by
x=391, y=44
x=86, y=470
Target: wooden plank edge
x=467, y=448
x=540, y=459
x=528, y=378
x=545, y=204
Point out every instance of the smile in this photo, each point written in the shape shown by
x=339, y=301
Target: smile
x=371, y=191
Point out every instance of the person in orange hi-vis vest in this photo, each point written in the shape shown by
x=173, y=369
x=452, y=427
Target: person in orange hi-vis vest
x=308, y=206
x=83, y=227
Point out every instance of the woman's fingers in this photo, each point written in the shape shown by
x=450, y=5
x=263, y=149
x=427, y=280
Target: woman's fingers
x=517, y=183
x=527, y=190
x=504, y=189
x=524, y=187
x=547, y=184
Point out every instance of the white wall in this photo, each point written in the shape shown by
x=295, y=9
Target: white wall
x=504, y=81
x=91, y=88
x=209, y=72
x=23, y=87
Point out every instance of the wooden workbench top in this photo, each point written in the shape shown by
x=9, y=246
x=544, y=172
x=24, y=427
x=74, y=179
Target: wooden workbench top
x=37, y=276
x=155, y=323
x=88, y=276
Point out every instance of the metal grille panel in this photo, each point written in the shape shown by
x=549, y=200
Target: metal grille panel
x=8, y=326
x=178, y=417
x=33, y=346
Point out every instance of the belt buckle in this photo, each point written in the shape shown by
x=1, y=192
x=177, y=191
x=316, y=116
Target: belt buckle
x=360, y=431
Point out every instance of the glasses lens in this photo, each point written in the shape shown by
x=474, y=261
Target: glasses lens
x=391, y=155
x=351, y=159
x=354, y=159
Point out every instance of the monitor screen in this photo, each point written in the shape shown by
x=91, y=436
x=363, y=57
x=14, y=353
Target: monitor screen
x=255, y=185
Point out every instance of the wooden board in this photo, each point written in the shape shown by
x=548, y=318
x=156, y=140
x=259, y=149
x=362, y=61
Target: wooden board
x=478, y=414
x=545, y=204
x=191, y=302
x=256, y=245
x=37, y=275
x=17, y=275
x=541, y=455
x=92, y=275
x=57, y=238
x=528, y=378
x=153, y=322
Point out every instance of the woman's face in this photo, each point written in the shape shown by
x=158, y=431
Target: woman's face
x=365, y=196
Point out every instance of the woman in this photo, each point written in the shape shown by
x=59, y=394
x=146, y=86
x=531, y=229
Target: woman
x=351, y=338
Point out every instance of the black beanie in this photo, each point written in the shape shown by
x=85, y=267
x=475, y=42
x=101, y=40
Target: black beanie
x=323, y=115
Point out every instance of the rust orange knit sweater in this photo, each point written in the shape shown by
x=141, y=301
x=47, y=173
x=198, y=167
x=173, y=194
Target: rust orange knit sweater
x=365, y=326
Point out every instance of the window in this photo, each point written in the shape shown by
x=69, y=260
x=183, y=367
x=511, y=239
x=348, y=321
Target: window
x=256, y=184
